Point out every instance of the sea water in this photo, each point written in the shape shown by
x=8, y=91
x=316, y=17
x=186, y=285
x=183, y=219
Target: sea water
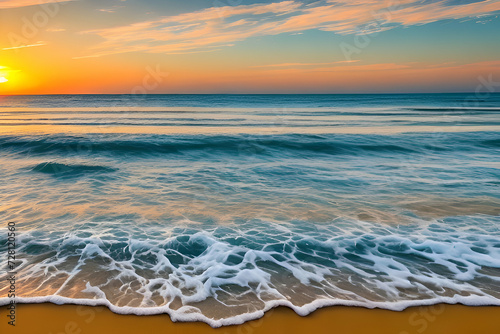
x=217, y=208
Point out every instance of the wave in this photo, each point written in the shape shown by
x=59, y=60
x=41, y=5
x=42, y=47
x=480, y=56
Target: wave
x=491, y=143
x=165, y=145
x=226, y=275
x=71, y=170
x=246, y=144
x=251, y=101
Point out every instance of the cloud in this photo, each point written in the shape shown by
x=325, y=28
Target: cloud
x=111, y=9
x=307, y=64
x=25, y=46
x=198, y=31
x=107, y=10
x=215, y=27
x=5, y=4
x=414, y=67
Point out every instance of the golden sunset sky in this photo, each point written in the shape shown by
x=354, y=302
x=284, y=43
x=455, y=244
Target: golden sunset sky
x=239, y=46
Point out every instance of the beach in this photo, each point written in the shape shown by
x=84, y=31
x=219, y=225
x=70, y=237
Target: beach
x=437, y=319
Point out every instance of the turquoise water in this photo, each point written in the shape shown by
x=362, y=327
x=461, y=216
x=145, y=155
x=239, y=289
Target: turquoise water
x=219, y=207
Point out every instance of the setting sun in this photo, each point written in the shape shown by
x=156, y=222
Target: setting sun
x=3, y=74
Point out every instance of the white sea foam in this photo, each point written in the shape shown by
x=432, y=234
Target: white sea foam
x=228, y=275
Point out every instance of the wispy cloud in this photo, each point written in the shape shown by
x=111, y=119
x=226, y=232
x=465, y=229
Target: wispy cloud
x=197, y=31
x=25, y=46
x=307, y=64
x=214, y=27
x=107, y=10
x=110, y=10
x=4, y=4
x=411, y=67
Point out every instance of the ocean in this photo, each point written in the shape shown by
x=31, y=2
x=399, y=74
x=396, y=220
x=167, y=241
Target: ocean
x=217, y=208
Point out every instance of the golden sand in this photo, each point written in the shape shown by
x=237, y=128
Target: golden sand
x=71, y=319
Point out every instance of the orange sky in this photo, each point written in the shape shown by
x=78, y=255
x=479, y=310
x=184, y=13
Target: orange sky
x=251, y=47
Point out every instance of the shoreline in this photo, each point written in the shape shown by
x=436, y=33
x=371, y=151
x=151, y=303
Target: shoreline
x=78, y=319
x=241, y=319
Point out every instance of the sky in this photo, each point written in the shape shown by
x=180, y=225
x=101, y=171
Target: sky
x=248, y=46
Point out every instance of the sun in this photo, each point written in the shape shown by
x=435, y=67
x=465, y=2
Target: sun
x=3, y=71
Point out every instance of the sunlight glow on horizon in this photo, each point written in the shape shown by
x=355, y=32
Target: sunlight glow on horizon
x=280, y=46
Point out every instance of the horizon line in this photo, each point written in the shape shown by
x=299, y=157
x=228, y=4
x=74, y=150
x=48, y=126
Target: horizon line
x=155, y=94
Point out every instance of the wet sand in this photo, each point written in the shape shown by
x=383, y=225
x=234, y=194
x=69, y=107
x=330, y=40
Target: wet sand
x=72, y=319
